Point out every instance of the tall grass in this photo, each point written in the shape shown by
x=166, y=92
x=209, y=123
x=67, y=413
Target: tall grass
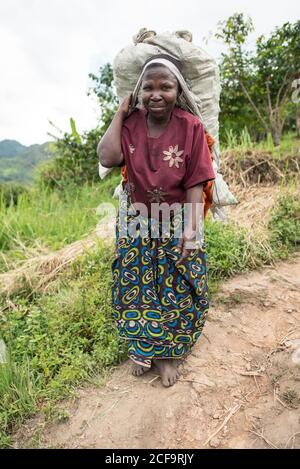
x=48, y=220
x=17, y=396
x=242, y=141
x=57, y=340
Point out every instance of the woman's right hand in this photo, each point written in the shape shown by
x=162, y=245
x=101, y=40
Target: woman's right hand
x=124, y=107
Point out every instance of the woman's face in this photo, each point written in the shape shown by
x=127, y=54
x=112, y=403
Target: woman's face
x=159, y=91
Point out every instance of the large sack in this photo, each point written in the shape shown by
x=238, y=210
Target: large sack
x=200, y=71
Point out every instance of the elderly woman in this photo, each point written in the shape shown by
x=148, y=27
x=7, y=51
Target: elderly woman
x=160, y=294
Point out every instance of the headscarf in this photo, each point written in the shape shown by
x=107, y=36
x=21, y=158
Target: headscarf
x=185, y=99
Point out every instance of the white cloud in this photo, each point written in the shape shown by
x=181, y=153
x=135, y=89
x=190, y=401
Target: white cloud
x=48, y=47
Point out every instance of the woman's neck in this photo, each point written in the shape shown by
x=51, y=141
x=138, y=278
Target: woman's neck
x=157, y=126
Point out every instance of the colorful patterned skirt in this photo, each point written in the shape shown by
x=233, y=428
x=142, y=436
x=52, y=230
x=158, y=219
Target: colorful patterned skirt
x=159, y=308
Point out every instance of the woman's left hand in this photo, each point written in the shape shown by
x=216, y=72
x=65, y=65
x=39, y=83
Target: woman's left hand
x=186, y=245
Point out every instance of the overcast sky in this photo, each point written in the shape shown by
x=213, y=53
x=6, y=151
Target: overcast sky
x=48, y=47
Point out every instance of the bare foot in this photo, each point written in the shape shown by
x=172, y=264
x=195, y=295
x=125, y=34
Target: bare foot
x=168, y=371
x=138, y=370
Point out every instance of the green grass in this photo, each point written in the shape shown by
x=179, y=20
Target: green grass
x=284, y=225
x=60, y=339
x=242, y=142
x=47, y=220
x=17, y=391
x=289, y=145
x=57, y=340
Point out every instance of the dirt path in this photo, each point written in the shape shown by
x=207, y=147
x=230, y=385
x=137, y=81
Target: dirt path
x=245, y=372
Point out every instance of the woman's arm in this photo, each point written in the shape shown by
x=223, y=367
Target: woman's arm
x=194, y=217
x=109, y=148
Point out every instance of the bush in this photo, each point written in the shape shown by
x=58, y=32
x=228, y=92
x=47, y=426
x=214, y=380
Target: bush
x=284, y=224
x=10, y=193
x=75, y=162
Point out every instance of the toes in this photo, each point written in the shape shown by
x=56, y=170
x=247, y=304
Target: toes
x=165, y=382
x=168, y=381
x=138, y=370
x=173, y=380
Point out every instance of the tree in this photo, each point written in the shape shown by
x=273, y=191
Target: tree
x=76, y=160
x=264, y=76
x=104, y=90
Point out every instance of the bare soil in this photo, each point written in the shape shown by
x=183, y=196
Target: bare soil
x=240, y=388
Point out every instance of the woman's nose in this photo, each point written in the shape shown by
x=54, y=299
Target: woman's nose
x=155, y=97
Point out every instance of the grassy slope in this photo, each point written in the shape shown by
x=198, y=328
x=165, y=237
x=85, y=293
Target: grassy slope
x=60, y=338
x=47, y=220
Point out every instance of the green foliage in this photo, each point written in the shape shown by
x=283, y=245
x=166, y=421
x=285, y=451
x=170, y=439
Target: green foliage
x=225, y=250
x=257, y=84
x=9, y=194
x=44, y=219
x=231, y=251
x=58, y=340
x=17, y=396
x=75, y=134
x=284, y=224
x=76, y=160
x=240, y=140
x=104, y=90
x=234, y=32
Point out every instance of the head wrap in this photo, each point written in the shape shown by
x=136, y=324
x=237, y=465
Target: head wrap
x=185, y=99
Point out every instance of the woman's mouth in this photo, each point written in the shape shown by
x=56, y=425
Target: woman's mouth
x=157, y=108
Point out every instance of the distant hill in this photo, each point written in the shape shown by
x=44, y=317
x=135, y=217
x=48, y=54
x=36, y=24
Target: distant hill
x=11, y=148
x=17, y=161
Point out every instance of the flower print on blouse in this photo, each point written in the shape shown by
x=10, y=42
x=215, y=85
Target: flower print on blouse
x=156, y=195
x=173, y=156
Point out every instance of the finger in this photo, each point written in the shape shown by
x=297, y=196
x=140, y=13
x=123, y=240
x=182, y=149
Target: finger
x=179, y=246
x=185, y=253
x=178, y=262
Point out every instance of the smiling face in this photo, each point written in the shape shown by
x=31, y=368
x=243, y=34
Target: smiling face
x=159, y=92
